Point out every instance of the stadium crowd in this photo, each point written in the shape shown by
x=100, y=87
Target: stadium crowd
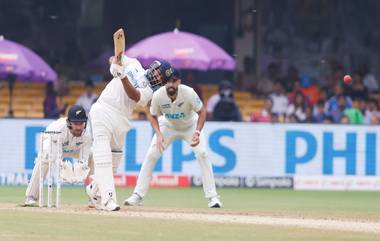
x=295, y=99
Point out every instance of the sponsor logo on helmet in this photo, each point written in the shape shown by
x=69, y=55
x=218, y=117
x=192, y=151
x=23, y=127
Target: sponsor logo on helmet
x=78, y=112
x=169, y=72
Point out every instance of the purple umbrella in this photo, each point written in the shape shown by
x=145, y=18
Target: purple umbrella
x=23, y=63
x=183, y=50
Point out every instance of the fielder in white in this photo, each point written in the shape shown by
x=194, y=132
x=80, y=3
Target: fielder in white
x=181, y=116
x=109, y=118
x=75, y=141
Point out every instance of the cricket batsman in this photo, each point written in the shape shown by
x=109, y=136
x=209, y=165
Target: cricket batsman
x=75, y=140
x=177, y=113
x=110, y=116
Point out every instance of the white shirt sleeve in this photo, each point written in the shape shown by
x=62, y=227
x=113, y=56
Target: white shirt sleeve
x=136, y=75
x=145, y=95
x=195, y=101
x=154, y=105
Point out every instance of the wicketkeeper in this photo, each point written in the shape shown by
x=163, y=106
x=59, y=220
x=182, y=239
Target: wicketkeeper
x=75, y=141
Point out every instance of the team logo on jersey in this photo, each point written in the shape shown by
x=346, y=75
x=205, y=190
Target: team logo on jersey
x=79, y=143
x=180, y=104
x=65, y=143
x=132, y=78
x=165, y=106
x=144, y=84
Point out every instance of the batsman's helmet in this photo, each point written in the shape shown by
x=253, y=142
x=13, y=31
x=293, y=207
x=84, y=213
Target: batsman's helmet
x=159, y=73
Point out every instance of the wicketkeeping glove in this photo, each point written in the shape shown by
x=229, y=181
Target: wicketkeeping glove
x=67, y=172
x=81, y=171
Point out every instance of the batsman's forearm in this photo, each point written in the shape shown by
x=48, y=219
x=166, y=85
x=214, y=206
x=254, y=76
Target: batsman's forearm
x=131, y=91
x=201, y=119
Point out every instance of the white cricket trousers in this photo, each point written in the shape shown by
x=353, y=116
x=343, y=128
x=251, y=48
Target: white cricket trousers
x=170, y=134
x=109, y=127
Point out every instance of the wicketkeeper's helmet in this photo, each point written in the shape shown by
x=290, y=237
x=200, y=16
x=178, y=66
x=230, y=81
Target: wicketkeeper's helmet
x=76, y=114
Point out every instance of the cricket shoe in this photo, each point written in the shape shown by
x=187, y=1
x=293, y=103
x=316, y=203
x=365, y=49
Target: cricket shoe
x=133, y=200
x=93, y=199
x=110, y=206
x=214, y=202
x=30, y=202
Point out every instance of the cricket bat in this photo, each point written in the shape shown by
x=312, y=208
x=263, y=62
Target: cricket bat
x=119, y=44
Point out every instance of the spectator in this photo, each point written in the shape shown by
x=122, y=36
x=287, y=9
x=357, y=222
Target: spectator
x=190, y=82
x=319, y=112
x=323, y=94
x=226, y=109
x=292, y=119
x=369, y=79
x=297, y=108
x=323, y=97
x=297, y=87
x=333, y=105
x=51, y=108
x=279, y=100
x=266, y=113
x=309, y=115
x=225, y=88
x=375, y=120
x=88, y=98
x=359, y=91
x=291, y=77
x=344, y=120
x=354, y=114
x=328, y=120
x=336, y=75
x=338, y=111
x=265, y=84
x=309, y=90
x=371, y=111
x=245, y=77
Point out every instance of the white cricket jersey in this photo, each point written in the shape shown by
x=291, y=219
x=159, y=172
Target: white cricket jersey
x=180, y=113
x=115, y=95
x=70, y=143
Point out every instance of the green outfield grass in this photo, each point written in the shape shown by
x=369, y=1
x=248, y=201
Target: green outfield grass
x=19, y=225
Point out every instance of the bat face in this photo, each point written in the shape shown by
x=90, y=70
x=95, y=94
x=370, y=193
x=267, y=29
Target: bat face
x=119, y=44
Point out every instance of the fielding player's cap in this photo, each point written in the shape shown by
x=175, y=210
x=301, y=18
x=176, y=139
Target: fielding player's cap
x=168, y=72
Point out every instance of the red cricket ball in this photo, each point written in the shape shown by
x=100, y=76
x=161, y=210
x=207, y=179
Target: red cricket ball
x=347, y=79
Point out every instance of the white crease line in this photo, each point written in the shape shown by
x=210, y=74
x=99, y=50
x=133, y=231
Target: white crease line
x=339, y=225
